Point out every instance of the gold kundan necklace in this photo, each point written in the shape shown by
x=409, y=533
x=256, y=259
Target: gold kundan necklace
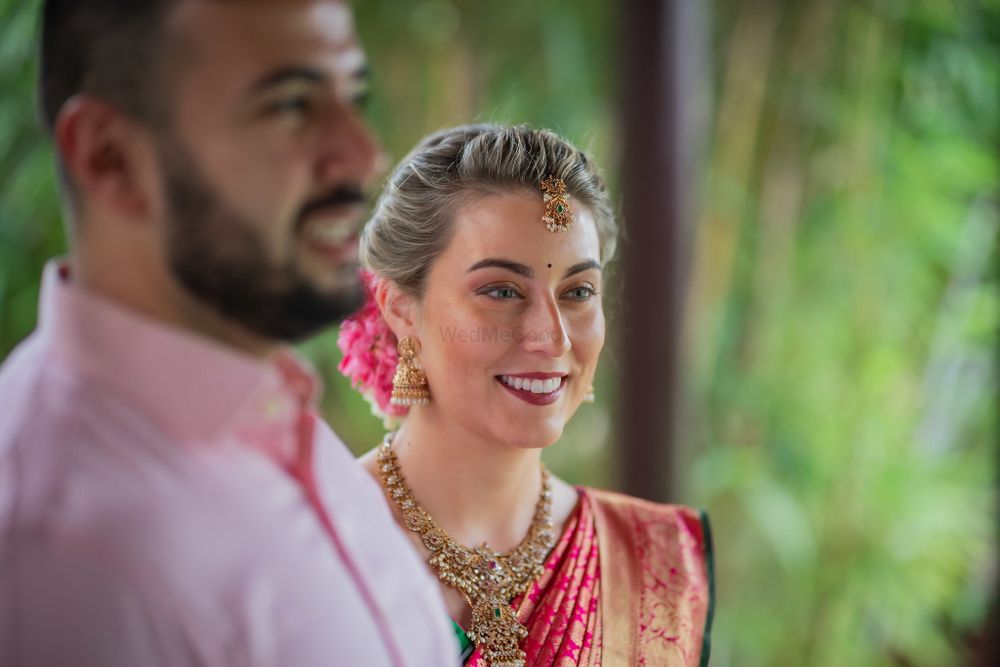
x=488, y=580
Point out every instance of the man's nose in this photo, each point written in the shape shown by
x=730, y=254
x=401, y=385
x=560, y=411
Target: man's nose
x=350, y=150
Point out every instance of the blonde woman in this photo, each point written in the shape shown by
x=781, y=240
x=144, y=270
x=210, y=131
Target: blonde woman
x=482, y=332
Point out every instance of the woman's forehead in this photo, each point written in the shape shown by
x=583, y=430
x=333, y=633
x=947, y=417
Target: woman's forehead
x=511, y=226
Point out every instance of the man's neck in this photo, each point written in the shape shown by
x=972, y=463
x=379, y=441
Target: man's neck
x=157, y=295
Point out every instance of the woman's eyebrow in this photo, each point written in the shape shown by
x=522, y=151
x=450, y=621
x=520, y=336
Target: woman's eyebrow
x=582, y=266
x=510, y=265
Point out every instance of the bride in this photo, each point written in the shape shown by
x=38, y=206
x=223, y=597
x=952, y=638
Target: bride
x=484, y=268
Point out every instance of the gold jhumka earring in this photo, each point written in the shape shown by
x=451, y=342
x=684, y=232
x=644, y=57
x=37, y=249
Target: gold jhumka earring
x=409, y=384
x=558, y=217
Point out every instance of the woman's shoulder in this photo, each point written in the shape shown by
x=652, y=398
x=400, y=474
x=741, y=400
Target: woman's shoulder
x=655, y=556
x=616, y=503
x=368, y=460
x=628, y=517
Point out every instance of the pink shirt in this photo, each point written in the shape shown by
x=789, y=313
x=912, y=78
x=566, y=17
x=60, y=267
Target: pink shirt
x=167, y=501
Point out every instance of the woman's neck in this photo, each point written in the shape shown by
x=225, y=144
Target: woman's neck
x=477, y=489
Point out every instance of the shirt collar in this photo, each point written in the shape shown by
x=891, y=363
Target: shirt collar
x=192, y=387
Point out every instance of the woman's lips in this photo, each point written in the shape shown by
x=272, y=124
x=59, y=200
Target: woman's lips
x=537, y=399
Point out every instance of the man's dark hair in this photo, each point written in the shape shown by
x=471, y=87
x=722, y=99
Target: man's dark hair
x=106, y=47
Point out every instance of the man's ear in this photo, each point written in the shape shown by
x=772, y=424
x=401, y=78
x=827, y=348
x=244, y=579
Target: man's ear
x=101, y=152
x=398, y=308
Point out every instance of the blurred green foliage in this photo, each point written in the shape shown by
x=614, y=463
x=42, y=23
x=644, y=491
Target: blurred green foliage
x=844, y=321
x=843, y=308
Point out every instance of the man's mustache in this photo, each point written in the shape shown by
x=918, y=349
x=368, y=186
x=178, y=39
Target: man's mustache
x=343, y=195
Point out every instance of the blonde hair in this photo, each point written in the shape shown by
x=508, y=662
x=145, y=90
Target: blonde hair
x=412, y=223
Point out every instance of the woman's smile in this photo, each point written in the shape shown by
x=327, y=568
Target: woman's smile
x=535, y=388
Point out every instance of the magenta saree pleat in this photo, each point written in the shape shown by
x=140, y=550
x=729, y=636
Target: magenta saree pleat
x=628, y=583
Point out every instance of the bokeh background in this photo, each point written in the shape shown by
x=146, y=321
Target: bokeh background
x=839, y=376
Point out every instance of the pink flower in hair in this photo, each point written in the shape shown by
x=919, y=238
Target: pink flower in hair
x=370, y=355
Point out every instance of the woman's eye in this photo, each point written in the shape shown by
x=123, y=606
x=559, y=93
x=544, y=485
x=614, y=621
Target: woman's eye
x=581, y=293
x=502, y=293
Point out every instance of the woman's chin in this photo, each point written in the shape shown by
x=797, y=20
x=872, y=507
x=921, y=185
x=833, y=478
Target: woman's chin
x=540, y=437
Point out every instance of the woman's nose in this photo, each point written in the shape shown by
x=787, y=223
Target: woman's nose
x=545, y=330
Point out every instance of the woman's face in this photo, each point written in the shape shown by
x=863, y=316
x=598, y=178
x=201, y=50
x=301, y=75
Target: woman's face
x=511, y=322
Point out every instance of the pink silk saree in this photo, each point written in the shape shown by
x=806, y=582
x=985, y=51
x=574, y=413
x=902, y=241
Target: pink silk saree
x=628, y=583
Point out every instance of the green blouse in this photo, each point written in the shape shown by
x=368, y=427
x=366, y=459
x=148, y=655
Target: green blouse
x=465, y=646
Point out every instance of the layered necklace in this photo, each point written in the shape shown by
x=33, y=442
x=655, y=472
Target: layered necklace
x=489, y=580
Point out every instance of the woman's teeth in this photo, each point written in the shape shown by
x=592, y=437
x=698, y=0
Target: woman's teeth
x=534, y=386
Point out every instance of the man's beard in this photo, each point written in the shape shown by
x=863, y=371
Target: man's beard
x=218, y=257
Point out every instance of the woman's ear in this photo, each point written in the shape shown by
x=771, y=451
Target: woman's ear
x=398, y=308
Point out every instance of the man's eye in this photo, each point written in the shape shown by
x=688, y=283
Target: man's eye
x=290, y=105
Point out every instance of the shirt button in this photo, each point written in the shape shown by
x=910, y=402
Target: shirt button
x=275, y=408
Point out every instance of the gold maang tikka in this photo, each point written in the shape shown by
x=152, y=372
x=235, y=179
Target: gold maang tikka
x=558, y=217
